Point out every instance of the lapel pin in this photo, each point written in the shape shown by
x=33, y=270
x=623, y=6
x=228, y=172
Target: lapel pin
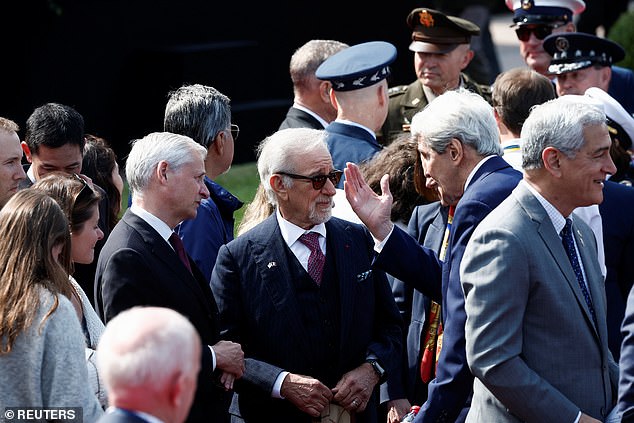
x=271, y=264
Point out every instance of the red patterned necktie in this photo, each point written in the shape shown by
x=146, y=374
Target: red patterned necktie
x=316, y=259
x=432, y=343
x=177, y=243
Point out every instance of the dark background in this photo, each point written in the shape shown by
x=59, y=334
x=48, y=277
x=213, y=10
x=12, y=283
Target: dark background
x=115, y=61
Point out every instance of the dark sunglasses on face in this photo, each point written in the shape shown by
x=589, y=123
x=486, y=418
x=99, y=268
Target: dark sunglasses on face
x=540, y=31
x=318, y=181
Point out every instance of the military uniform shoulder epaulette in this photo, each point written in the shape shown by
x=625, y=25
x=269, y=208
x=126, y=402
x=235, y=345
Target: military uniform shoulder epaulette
x=485, y=89
x=399, y=89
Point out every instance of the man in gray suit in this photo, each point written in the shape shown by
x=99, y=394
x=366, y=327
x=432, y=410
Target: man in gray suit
x=536, y=333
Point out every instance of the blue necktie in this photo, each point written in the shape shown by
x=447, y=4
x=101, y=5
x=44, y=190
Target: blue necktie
x=569, y=246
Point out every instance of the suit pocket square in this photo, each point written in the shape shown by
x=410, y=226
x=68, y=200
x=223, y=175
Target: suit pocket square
x=363, y=276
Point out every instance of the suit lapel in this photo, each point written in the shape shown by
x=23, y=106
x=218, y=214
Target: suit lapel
x=553, y=243
x=340, y=244
x=164, y=253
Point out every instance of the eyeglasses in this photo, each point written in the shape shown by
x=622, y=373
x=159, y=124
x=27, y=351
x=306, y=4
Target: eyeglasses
x=319, y=180
x=540, y=31
x=235, y=131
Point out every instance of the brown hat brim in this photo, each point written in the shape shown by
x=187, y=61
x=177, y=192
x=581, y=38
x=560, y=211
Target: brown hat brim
x=423, y=47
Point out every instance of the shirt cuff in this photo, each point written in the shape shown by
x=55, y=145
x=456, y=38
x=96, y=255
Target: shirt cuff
x=277, y=386
x=213, y=358
x=378, y=245
x=578, y=417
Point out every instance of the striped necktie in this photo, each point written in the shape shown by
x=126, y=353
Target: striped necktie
x=432, y=343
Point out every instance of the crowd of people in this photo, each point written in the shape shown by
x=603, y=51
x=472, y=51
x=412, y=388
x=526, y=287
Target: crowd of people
x=451, y=249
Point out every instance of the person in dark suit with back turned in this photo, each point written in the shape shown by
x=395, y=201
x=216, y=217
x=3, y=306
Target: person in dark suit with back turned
x=459, y=149
x=149, y=359
x=144, y=262
x=311, y=103
x=320, y=328
x=536, y=332
x=358, y=75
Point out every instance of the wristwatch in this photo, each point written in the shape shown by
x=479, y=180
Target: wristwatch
x=380, y=371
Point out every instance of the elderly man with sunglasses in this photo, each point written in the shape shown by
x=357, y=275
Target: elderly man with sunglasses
x=319, y=327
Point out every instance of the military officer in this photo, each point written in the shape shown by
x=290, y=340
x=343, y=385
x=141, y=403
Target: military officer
x=581, y=61
x=359, y=93
x=441, y=51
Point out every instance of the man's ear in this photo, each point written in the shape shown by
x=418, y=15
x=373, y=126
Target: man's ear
x=324, y=91
x=552, y=160
x=161, y=171
x=277, y=185
x=455, y=149
x=27, y=151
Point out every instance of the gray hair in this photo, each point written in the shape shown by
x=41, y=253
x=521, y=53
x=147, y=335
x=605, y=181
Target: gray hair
x=280, y=152
x=459, y=114
x=307, y=58
x=147, y=152
x=558, y=123
x=146, y=346
x=197, y=111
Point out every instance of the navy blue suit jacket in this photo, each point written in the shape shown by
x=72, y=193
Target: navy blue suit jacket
x=427, y=225
x=348, y=143
x=137, y=267
x=622, y=86
x=120, y=416
x=296, y=118
x=617, y=217
x=449, y=393
x=258, y=306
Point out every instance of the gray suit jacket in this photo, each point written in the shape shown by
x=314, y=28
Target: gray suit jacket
x=530, y=339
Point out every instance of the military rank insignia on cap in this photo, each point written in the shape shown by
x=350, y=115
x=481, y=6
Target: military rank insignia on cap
x=358, y=66
x=573, y=51
x=544, y=11
x=435, y=32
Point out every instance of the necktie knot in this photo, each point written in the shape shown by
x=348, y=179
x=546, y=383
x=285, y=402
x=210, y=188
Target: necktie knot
x=176, y=242
x=316, y=259
x=311, y=240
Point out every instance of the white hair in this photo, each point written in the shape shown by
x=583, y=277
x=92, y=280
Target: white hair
x=146, y=346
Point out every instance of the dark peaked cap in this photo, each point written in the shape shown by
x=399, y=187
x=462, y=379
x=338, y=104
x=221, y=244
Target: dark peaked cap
x=435, y=32
x=573, y=51
x=359, y=66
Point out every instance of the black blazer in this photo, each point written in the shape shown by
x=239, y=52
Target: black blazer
x=296, y=118
x=138, y=267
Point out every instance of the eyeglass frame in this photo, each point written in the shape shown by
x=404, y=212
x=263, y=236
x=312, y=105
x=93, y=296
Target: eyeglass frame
x=532, y=29
x=318, y=181
x=235, y=131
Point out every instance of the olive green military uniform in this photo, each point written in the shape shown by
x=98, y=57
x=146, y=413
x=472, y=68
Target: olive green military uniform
x=407, y=100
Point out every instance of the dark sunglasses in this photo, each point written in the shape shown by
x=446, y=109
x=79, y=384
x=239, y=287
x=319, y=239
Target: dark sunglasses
x=540, y=31
x=86, y=190
x=235, y=131
x=318, y=181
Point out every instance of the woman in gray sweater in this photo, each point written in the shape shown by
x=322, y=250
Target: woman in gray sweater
x=41, y=342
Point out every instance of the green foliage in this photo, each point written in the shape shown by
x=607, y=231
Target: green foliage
x=622, y=32
x=241, y=180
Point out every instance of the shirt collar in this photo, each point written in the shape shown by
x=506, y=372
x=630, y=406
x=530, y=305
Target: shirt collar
x=475, y=169
x=291, y=232
x=557, y=219
x=157, y=224
x=310, y=112
x=358, y=125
